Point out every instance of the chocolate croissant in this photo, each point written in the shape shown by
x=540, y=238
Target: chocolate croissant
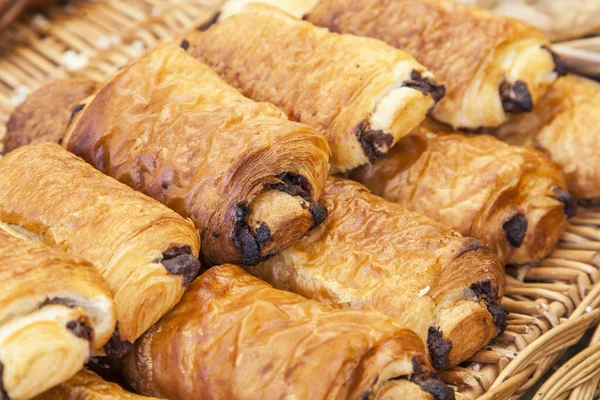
x=566, y=126
x=169, y=127
x=54, y=310
x=362, y=94
x=492, y=66
x=235, y=337
x=146, y=252
x=370, y=253
x=45, y=114
x=512, y=198
x=86, y=385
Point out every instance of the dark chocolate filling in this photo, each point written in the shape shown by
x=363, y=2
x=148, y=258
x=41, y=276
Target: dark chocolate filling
x=75, y=111
x=180, y=261
x=439, y=348
x=515, y=97
x=318, y=212
x=3, y=394
x=116, y=349
x=292, y=184
x=81, y=329
x=429, y=381
x=245, y=239
x=488, y=292
x=60, y=300
x=210, y=23
x=560, y=66
x=425, y=86
x=375, y=143
x=3, y=153
x=515, y=229
x=185, y=44
x=568, y=200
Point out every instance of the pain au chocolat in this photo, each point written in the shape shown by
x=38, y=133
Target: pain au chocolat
x=169, y=127
x=361, y=93
x=373, y=254
x=235, y=337
x=55, y=309
x=146, y=252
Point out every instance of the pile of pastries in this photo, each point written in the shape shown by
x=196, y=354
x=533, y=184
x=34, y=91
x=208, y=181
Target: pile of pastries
x=315, y=203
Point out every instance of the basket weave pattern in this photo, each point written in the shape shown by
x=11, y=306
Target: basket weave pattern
x=551, y=305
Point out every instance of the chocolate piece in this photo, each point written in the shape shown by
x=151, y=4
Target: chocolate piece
x=263, y=233
x=568, y=200
x=3, y=394
x=515, y=97
x=3, y=153
x=318, y=212
x=439, y=348
x=81, y=329
x=375, y=143
x=180, y=261
x=185, y=44
x=243, y=238
x=515, y=229
x=116, y=349
x=210, y=23
x=75, y=111
x=560, y=66
x=292, y=184
x=60, y=300
x=425, y=86
x=489, y=294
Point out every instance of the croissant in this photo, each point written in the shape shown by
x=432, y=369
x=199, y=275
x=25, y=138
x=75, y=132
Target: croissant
x=362, y=94
x=235, y=337
x=565, y=126
x=86, y=385
x=559, y=19
x=54, y=309
x=146, y=252
x=45, y=114
x=169, y=127
x=491, y=66
x=370, y=253
x=512, y=198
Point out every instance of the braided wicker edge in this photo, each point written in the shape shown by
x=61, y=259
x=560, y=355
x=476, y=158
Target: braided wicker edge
x=551, y=304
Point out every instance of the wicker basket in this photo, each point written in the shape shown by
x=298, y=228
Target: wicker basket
x=551, y=305
x=582, y=55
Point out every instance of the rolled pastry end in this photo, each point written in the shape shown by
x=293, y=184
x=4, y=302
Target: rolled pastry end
x=277, y=217
x=29, y=365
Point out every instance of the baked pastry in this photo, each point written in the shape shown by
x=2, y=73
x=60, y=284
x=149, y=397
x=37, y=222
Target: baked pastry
x=512, y=198
x=297, y=8
x=146, y=252
x=370, y=253
x=45, y=114
x=559, y=19
x=362, y=94
x=566, y=126
x=54, y=310
x=86, y=385
x=491, y=66
x=169, y=127
x=235, y=337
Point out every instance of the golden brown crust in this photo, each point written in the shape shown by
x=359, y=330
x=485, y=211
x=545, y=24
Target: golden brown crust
x=512, y=198
x=169, y=127
x=234, y=336
x=86, y=385
x=130, y=238
x=470, y=50
x=362, y=94
x=566, y=126
x=370, y=253
x=44, y=116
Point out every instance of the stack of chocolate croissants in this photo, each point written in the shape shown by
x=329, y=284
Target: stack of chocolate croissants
x=284, y=205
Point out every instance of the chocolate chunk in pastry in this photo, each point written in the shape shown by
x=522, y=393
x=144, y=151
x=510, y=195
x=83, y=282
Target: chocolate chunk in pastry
x=169, y=127
x=46, y=113
x=490, y=65
x=259, y=342
x=54, y=310
x=506, y=196
x=361, y=93
x=370, y=253
x=86, y=385
x=146, y=252
x=566, y=126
